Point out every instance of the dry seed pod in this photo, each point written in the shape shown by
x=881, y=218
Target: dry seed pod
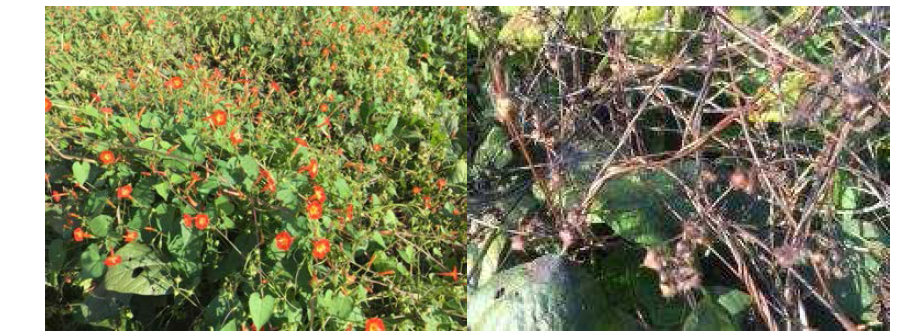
x=708, y=176
x=684, y=250
x=692, y=231
x=742, y=180
x=688, y=279
x=518, y=243
x=668, y=289
x=653, y=259
x=788, y=255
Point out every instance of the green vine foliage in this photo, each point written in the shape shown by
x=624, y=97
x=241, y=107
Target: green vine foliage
x=227, y=168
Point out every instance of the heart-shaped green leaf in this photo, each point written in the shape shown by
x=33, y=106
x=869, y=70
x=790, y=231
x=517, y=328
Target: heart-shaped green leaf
x=260, y=308
x=99, y=226
x=141, y=272
x=81, y=171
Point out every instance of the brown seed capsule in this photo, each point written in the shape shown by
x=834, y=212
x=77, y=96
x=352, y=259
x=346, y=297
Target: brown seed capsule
x=668, y=289
x=653, y=259
x=688, y=279
x=853, y=100
x=708, y=176
x=788, y=255
x=506, y=111
x=518, y=243
x=742, y=180
x=684, y=251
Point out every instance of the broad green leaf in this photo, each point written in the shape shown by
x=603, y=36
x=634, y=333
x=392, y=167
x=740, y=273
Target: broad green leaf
x=494, y=151
x=81, y=171
x=56, y=255
x=391, y=218
x=221, y=309
x=342, y=189
x=91, y=265
x=162, y=189
x=101, y=304
x=460, y=172
x=142, y=271
x=709, y=316
x=224, y=205
x=378, y=239
x=99, y=226
x=392, y=125
x=250, y=166
x=735, y=302
x=260, y=308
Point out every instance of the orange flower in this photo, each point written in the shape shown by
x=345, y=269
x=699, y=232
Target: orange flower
x=376, y=147
x=269, y=186
x=112, y=259
x=314, y=209
x=175, y=82
x=48, y=104
x=348, y=212
x=201, y=221
x=441, y=183
x=56, y=196
x=313, y=168
x=324, y=108
x=218, y=118
x=332, y=67
x=325, y=52
x=452, y=273
x=106, y=110
x=235, y=137
x=107, y=157
x=428, y=201
x=79, y=235
x=275, y=86
x=130, y=236
x=456, y=212
x=299, y=142
x=318, y=194
x=375, y=8
x=187, y=220
x=417, y=190
x=374, y=323
x=320, y=248
x=123, y=192
x=283, y=240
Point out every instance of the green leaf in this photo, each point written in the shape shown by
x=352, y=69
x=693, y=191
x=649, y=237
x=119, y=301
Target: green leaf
x=224, y=205
x=494, y=150
x=142, y=271
x=709, y=316
x=391, y=218
x=379, y=239
x=287, y=196
x=460, y=172
x=250, y=166
x=162, y=189
x=735, y=302
x=91, y=265
x=56, y=255
x=392, y=125
x=339, y=306
x=220, y=308
x=99, y=226
x=260, y=308
x=342, y=189
x=81, y=171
